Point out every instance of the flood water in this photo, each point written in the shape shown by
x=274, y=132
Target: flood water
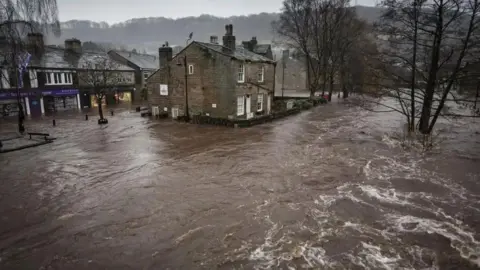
x=330, y=188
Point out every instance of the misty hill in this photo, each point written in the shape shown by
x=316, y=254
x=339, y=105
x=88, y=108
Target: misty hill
x=150, y=33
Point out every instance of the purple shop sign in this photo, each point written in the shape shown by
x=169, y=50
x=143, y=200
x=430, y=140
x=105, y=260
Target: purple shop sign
x=13, y=95
x=61, y=92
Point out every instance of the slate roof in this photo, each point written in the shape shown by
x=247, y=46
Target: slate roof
x=261, y=48
x=55, y=57
x=240, y=52
x=143, y=61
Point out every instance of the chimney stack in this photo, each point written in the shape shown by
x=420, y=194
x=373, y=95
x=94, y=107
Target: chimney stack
x=165, y=54
x=73, y=45
x=254, y=42
x=229, y=40
x=214, y=39
x=35, y=44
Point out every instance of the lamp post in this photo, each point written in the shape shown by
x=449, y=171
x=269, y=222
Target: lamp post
x=187, y=114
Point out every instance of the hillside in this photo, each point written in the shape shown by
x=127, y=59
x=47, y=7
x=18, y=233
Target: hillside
x=149, y=33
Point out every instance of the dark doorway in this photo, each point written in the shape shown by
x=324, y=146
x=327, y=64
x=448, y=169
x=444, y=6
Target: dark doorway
x=35, y=106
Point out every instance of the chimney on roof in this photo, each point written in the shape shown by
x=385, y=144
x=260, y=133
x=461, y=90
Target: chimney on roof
x=247, y=45
x=229, y=40
x=254, y=42
x=35, y=43
x=165, y=54
x=73, y=45
x=214, y=39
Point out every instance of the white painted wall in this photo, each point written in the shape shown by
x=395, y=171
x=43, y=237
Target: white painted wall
x=27, y=105
x=5, y=82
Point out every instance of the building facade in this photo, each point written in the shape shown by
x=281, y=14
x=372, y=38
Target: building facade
x=51, y=82
x=221, y=81
x=144, y=66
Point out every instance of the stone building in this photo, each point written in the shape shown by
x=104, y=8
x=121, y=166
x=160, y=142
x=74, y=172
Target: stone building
x=52, y=81
x=222, y=81
x=143, y=64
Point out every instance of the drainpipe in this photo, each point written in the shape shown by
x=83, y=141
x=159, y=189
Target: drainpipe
x=274, y=82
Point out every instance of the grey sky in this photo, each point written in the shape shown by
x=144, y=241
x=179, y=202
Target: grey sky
x=113, y=11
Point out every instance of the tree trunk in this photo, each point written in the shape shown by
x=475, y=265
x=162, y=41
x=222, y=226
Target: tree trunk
x=432, y=76
x=411, y=126
x=476, y=97
x=100, y=109
x=330, y=88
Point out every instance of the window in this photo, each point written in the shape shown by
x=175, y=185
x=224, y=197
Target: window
x=260, y=103
x=68, y=77
x=57, y=78
x=190, y=69
x=240, y=105
x=145, y=75
x=260, y=75
x=48, y=76
x=241, y=73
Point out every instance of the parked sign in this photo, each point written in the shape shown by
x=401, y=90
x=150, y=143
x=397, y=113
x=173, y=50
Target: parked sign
x=163, y=90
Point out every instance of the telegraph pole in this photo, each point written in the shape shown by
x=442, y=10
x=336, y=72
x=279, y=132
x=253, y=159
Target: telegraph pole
x=187, y=114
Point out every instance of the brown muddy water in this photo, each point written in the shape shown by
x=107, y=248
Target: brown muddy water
x=331, y=188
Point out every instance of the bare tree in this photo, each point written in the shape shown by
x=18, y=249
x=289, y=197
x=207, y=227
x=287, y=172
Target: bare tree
x=102, y=74
x=323, y=31
x=18, y=18
x=426, y=45
x=298, y=27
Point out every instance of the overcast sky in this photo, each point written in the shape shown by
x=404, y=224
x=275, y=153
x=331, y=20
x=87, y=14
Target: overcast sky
x=113, y=11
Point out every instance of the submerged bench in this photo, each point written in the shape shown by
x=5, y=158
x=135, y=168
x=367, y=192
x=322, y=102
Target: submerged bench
x=44, y=135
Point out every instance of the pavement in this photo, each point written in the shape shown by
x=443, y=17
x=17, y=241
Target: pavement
x=12, y=141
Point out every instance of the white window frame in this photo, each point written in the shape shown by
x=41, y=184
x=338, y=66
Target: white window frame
x=240, y=105
x=48, y=76
x=260, y=102
x=190, y=69
x=62, y=78
x=261, y=74
x=241, y=73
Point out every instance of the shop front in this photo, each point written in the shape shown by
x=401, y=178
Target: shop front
x=61, y=100
x=119, y=97
x=9, y=104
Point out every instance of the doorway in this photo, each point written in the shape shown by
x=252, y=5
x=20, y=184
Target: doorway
x=248, y=105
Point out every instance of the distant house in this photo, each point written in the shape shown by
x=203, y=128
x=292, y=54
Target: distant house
x=143, y=64
x=222, y=81
x=264, y=50
x=51, y=83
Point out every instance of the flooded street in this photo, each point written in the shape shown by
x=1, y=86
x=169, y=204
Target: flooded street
x=329, y=188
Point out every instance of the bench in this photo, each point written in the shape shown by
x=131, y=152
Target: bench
x=44, y=135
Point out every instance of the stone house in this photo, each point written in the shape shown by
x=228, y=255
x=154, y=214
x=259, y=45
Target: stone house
x=222, y=81
x=143, y=64
x=264, y=50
